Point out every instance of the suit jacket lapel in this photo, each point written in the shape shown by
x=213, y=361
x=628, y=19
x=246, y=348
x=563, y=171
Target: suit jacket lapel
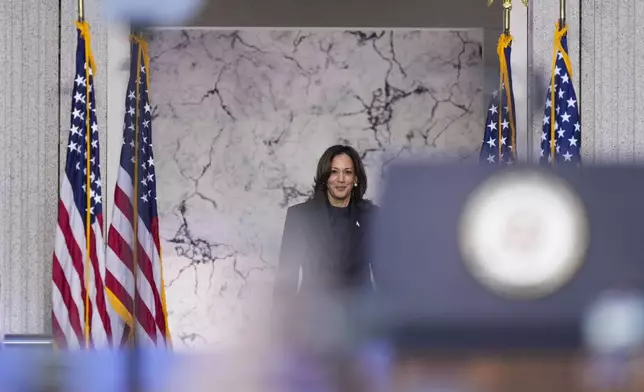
x=323, y=225
x=356, y=228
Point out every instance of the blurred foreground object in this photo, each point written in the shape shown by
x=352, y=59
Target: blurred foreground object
x=281, y=371
x=23, y=341
x=476, y=259
x=27, y=370
x=153, y=12
x=614, y=324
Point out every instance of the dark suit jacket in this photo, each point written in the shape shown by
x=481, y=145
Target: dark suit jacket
x=308, y=243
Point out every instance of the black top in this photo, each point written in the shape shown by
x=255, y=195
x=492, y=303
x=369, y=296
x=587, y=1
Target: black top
x=328, y=243
x=341, y=225
x=338, y=214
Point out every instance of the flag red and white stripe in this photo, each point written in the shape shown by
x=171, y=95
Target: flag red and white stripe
x=134, y=282
x=81, y=315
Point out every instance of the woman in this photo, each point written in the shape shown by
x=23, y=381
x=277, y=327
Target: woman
x=324, y=240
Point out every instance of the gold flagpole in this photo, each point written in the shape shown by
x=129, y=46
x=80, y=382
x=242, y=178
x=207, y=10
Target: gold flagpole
x=507, y=7
x=562, y=13
x=88, y=136
x=135, y=37
x=135, y=359
x=135, y=199
x=562, y=23
x=81, y=10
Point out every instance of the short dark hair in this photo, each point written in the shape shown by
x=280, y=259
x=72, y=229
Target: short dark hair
x=324, y=170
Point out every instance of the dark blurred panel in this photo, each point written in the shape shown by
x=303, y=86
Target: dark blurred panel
x=427, y=296
x=378, y=14
x=348, y=13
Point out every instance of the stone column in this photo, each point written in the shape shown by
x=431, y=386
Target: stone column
x=29, y=133
x=520, y=76
x=37, y=49
x=612, y=80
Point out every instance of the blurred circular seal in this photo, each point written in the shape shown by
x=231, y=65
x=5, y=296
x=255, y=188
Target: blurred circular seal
x=523, y=233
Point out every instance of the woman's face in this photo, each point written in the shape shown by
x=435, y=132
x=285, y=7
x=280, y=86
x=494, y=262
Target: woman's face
x=342, y=178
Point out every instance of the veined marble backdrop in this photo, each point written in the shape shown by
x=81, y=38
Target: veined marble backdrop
x=241, y=118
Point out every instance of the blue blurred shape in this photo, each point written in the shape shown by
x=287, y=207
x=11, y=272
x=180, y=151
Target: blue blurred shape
x=152, y=12
x=25, y=369
x=17, y=369
x=100, y=371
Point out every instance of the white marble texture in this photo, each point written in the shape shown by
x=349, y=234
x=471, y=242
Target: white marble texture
x=241, y=118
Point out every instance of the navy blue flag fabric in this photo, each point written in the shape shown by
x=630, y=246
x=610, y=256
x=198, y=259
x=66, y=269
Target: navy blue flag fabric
x=561, y=137
x=499, y=138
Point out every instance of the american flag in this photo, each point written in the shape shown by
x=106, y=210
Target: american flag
x=80, y=315
x=134, y=280
x=561, y=117
x=499, y=144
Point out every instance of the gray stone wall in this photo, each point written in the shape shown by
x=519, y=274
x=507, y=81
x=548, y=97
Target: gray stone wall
x=29, y=127
x=612, y=79
x=37, y=48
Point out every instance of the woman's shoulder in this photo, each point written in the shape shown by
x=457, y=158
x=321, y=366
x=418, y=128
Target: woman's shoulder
x=365, y=205
x=368, y=206
x=301, y=207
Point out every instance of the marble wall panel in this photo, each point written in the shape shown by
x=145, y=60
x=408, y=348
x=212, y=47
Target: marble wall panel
x=241, y=118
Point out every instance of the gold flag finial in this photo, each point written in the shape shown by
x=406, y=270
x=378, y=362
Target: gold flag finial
x=507, y=3
x=507, y=7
